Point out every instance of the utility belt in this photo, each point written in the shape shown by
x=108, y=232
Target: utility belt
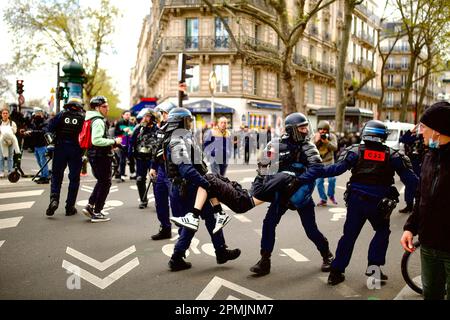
x=384, y=205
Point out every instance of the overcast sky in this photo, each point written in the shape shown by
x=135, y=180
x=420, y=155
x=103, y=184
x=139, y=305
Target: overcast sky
x=128, y=28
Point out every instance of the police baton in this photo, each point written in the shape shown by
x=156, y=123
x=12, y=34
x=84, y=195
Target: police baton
x=148, y=187
x=42, y=168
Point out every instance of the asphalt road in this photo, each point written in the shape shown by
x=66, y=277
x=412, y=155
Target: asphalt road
x=70, y=258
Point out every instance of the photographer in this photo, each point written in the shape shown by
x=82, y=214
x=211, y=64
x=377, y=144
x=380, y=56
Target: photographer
x=326, y=142
x=36, y=132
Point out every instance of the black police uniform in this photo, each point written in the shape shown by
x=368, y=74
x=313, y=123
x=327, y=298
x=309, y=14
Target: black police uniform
x=66, y=126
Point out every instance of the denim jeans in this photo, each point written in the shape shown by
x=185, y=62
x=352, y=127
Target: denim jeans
x=39, y=153
x=321, y=188
x=9, y=160
x=219, y=168
x=435, y=273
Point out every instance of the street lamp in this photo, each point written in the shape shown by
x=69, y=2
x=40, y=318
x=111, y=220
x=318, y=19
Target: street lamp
x=212, y=89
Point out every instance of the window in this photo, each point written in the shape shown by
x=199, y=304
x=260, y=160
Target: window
x=256, y=76
x=403, y=79
x=223, y=77
x=324, y=96
x=390, y=82
x=191, y=39
x=390, y=99
x=193, y=84
x=311, y=93
x=221, y=34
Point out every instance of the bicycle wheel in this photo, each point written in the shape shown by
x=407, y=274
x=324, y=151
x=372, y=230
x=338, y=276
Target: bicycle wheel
x=411, y=269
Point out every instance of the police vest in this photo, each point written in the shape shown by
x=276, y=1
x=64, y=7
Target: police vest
x=69, y=126
x=373, y=166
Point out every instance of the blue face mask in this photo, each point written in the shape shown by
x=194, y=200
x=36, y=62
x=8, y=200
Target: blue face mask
x=433, y=144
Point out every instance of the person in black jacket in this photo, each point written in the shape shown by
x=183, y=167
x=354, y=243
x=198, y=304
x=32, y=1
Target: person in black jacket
x=430, y=218
x=36, y=132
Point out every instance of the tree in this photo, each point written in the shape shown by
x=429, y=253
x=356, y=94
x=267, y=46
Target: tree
x=58, y=29
x=5, y=85
x=419, y=18
x=343, y=99
x=289, y=25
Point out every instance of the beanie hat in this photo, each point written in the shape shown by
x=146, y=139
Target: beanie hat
x=437, y=117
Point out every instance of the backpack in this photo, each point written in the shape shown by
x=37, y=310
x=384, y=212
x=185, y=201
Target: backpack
x=85, y=136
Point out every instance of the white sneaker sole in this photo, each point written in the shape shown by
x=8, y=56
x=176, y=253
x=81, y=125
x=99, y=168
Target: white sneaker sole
x=183, y=225
x=219, y=227
x=100, y=220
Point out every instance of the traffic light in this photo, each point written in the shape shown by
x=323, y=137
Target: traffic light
x=182, y=76
x=19, y=86
x=63, y=93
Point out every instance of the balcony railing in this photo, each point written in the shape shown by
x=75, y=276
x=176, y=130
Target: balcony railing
x=397, y=49
x=365, y=63
x=370, y=91
x=364, y=36
x=395, y=85
x=396, y=66
x=368, y=14
x=309, y=63
x=259, y=4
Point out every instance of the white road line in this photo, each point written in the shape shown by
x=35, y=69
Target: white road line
x=101, y=283
x=20, y=194
x=342, y=289
x=16, y=206
x=216, y=283
x=295, y=255
x=242, y=218
x=10, y=222
x=100, y=265
x=342, y=188
x=2, y=242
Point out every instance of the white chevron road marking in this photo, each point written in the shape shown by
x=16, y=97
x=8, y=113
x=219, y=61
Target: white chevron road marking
x=101, y=265
x=21, y=194
x=16, y=206
x=10, y=222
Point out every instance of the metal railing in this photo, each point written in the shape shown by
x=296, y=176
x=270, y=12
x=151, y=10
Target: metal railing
x=397, y=49
x=370, y=91
x=396, y=66
x=367, y=38
x=259, y=4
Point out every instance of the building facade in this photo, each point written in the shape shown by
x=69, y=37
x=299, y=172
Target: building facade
x=250, y=94
x=395, y=76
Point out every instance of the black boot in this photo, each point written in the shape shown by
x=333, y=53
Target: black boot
x=335, y=277
x=70, y=211
x=407, y=209
x=327, y=259
x=177, y=263
x=225, y=255
x=140, y=183
x=54, y=203
x=262, y=267
x=164, y=233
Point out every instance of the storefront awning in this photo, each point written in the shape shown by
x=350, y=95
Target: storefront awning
x=204, y=106
x=261, y=105
x=145, y=103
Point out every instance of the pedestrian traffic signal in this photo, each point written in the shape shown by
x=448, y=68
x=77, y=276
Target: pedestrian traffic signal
x=63, y=93
x=19, y=86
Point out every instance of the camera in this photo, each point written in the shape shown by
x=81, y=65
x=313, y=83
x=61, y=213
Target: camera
x=325, y=136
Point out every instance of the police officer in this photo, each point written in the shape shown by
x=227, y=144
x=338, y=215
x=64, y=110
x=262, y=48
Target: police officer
x=162, y=186
x=370, y=196
x=143, y=142
x=65, y=127
x=186, y=169
x=297, y=153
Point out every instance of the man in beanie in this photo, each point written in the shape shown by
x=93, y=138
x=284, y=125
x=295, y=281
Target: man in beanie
x=430, y=218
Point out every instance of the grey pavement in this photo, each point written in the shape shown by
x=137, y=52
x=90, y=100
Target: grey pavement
x=70, y=258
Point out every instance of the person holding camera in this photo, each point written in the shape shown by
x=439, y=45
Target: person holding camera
x=326, y=143
x=143, y=140
x=371, y=195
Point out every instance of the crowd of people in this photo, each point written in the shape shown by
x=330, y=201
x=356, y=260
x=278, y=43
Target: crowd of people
x=161, y=146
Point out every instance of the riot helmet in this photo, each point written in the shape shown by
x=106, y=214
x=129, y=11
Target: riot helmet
x=293, y=122
x=166, y=106
x=374, y=131
x=180, y=118
x=74, y=103
x=97, y=101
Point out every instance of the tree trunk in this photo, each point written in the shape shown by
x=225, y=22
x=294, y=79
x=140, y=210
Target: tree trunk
x=341, y=101
x=408, y=87
x=288, y=76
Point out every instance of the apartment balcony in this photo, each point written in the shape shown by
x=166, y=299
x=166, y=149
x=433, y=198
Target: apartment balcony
x=396, y=66
x=369, y=15
x=396, y=104
x=371, y=92
x=191, y=45
x=364, y=64
x=366, y=39
x=261, y=47
x=311, y=64
x=396, y=49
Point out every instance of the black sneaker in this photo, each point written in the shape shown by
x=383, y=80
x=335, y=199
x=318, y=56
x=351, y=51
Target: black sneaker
x=143, y=204
x=70, y=211
x=335, y=277
x=177, y=263
x=88, y=211
x=164, y=233
x=326, y=263
x=226, y=255
x=52, y=207
x=99, y=217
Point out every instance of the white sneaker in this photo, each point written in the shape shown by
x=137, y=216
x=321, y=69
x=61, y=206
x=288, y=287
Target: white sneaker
x=221, y=220
x=188, y=221
x=99, y=217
